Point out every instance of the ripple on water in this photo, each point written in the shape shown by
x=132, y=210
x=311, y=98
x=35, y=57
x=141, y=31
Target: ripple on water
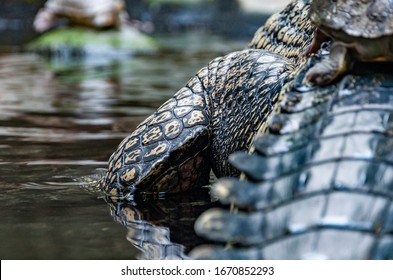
x=59, y=122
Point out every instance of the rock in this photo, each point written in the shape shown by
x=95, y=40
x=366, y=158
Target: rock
x=71, y=41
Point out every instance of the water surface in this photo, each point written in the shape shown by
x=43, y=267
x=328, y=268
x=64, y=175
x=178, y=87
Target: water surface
x=59, y=122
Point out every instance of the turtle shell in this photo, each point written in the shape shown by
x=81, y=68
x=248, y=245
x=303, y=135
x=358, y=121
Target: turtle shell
x=83, y=8
x=357, y=18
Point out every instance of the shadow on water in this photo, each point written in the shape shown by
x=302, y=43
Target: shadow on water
x=60, y=121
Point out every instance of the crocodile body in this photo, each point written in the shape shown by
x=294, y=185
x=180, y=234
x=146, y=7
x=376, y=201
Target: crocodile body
x=319, y=176
x=319, y=182
x=218, y=112
x=198, y=128
x=287, y=33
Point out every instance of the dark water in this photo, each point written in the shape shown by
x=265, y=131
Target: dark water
x=59, y=122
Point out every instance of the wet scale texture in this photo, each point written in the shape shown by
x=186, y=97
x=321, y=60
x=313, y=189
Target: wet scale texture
x=287, y=33
x=215, y=114
x=319, y=182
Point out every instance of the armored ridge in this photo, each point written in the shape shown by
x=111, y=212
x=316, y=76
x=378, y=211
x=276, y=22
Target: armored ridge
x=320, y=182
x=218, y=112
x=287, y=33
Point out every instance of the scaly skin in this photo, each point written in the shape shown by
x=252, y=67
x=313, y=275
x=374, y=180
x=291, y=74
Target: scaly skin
x=319, y=182
x=218, y=112
x=288, y=33
x=174, y=149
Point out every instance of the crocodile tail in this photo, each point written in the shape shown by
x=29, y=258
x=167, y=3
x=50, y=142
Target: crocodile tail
x=287, y=33
x=164, y=151
x=319, y=182
x=175, y=148
x=246, y=87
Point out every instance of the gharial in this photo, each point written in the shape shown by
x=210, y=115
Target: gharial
x=217, y=113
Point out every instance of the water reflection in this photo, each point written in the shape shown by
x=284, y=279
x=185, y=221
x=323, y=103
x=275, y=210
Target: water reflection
x=163, y=229
x=60, y=121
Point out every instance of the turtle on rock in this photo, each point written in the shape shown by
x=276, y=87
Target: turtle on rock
x=96, y=14
x=361, y=30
